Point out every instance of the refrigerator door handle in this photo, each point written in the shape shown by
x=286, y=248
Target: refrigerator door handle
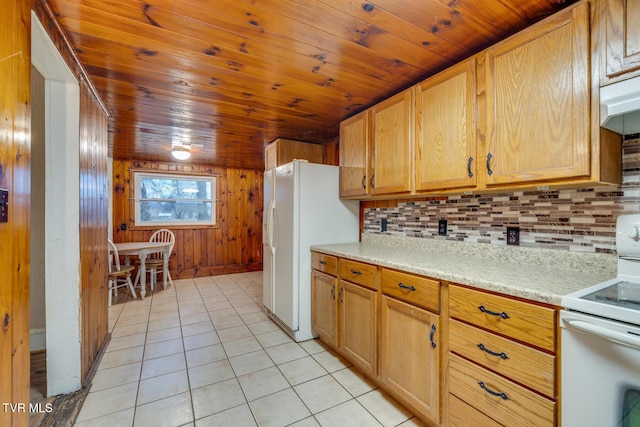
x=270, y=220
x=274, y=229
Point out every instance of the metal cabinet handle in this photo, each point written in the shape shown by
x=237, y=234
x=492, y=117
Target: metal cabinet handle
x=340, y=297
x=403, y=286
x=495, y=393
x=333, y=292
x=493, y=313
x=503, y=355
x=431, y=334
x=364, y=179
x=489, y=171
x=358, y=273
x=372, y=180
x=323, y=262
x=469, y=167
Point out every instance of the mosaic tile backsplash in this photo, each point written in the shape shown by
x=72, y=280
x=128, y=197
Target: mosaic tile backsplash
x=579, y=220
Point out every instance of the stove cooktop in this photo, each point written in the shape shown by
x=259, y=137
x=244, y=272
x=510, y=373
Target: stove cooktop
x=616, y=299
x=624, y=294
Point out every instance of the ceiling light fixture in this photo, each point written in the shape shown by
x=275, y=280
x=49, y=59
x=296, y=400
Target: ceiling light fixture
x=181, y=152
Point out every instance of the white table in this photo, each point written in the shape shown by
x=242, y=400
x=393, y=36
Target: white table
x=143, y=249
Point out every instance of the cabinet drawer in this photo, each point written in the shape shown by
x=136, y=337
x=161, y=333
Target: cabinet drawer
x=358, y=272
x=523, y=321
x=506, y=402
x=325, y=263
x=413, y=289
x=524, y=364
x=462, y=414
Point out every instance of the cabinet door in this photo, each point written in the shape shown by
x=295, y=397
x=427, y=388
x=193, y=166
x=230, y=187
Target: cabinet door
x=391, y=145
x=445, y=111
x=323, y=306
x=354, y=154
x=623, y=37
x=271, y=156
x=358, y=320
x=409, y=363
x=538, y=102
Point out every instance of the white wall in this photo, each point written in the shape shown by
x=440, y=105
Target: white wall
x=37, y=290
x=62, y=214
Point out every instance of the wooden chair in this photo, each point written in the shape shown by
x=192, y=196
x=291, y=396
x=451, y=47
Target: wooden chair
x=154, y=262
x=119, y=275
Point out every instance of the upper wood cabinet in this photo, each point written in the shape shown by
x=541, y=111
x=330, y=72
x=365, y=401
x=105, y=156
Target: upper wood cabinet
x=538, y=111
x=445, y=128
x=375, y=149
x=391, y=142
x=354, y=155
x=282, y=151
x=622, y=35
x=523, y=113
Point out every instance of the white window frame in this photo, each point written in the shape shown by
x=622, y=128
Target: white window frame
x=139, y=175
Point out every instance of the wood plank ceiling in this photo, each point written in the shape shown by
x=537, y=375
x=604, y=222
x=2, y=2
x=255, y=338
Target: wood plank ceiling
x=234, y=75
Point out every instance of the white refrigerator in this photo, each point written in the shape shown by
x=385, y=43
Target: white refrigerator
x=301, y=209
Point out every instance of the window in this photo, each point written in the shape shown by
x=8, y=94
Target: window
x=167, y=199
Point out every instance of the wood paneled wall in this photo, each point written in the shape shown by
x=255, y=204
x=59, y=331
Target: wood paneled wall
x=93, y=199
x=234, y=245
x=15, y=152
x=94, y=211
x=331, y=152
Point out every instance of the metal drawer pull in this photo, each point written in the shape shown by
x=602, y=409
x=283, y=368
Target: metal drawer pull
x=333, y=292
x=489, y=171
x=356, y=272
x=371, y=181
x=493, y=313
x=403, y=286
x=323, y=262
x=340, y=295
x=493, y=353
x=469, y=167
x=495, y=393
x=364, y=178
x=433, y=331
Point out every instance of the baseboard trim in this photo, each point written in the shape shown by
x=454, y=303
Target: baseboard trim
x=38, y=339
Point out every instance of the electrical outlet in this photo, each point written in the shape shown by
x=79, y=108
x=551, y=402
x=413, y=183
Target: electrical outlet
x=383, y=225
x=442, y=227
x=513, y=236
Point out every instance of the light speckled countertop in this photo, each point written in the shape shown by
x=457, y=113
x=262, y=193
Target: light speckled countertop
x=535, y=274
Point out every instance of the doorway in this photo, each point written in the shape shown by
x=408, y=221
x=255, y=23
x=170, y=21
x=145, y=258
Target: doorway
x=55, y=233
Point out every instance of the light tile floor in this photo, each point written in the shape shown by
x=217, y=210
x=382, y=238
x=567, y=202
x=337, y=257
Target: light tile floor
x=203, y=353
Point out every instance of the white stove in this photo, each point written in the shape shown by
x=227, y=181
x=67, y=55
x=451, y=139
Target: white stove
x=600, y=331
x=618, y=298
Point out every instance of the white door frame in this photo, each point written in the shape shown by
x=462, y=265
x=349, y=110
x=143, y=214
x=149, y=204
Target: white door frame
x=62, y=213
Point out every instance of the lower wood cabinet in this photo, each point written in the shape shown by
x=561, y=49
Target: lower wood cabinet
x=345, y=314
x=497, y=397
x=452, y=354
x=358, y=307
x=462, y=414
x=502, y=360
x=323, y=302
x=410, y=355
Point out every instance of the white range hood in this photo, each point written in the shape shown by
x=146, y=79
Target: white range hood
x=620, y=106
